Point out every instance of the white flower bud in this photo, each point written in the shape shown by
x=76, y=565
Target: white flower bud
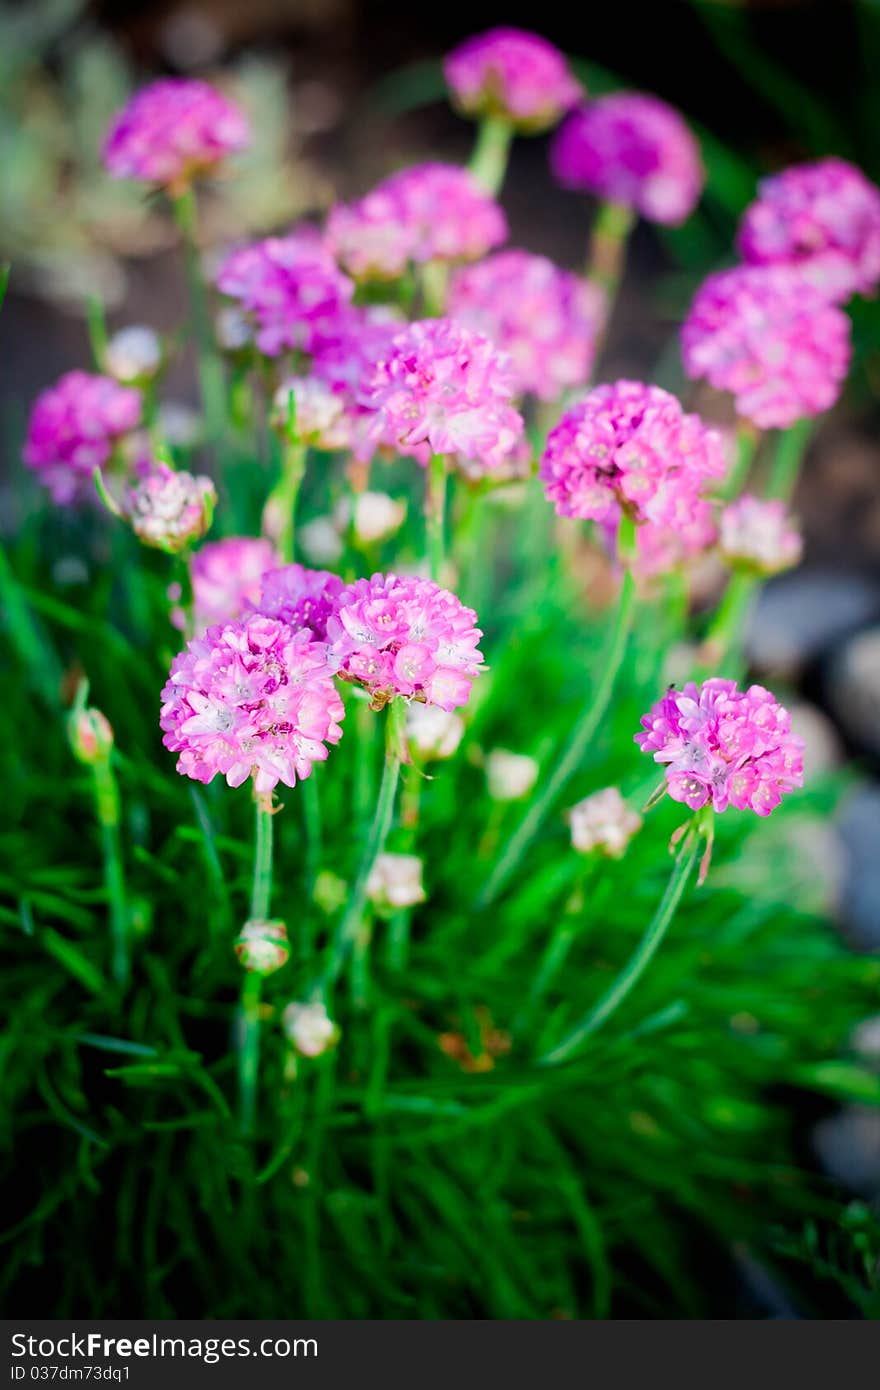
x=434, y=733
x=262, y=946
x=376, y=516
x=603, y=822
x=134, y=354
x=232, y=329
x=309, y=1028
x=395, y=881
x=320, y=541
x=511, y=776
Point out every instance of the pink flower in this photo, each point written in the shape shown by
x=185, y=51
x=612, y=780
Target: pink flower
x=171, y=131
x=344, y=365
x=293, y=290
x=514, y=75
x=725, y=746
x=304, y=599
x=759, y=534
x=401, y=636
x=664, y=549
x=631, y=447
x=631, y=149
x=73, y=429
x=774, y=342
x=823, y=218
x=226, y=579
x=169, y=510
x=251, y=698
x=431, y=212
x=442, y=389
x=544, y=318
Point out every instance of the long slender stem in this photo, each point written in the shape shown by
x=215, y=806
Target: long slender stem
x=375, y=843
x=489, y=160
x=209, y=365
x=572, y=756
x=790, y=449
x=261, y=891
x=107, y=806
x=747, y=440
x=638, y=961
x=252, y=984
x=435, y=514
x=727, y=625
x=606, y=257
x=279, y=513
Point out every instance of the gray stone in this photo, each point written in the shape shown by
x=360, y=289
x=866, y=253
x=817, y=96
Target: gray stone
x=848, y=1147
x=854, y=688
x=798, y=615
x=858, y=822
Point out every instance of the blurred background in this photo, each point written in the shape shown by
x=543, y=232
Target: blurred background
x=341, y=91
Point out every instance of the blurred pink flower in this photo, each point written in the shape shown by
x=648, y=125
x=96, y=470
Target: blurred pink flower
x=759, y=534
x=631, y=149
x=73, y=429
x=512, y=74
x=545, y=318
x=226, y=579
x=292, y=289
x=168, y=509
x=823, y=218
x=251, y=699
x=724, y=746
x=300, y=597
x=171, y=131
x=766, y=336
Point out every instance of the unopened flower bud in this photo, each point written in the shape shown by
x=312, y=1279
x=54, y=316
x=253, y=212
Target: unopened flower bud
x=377, y=516
x=511, y=776
x=262, y=946
x=232, y=329
x=134, y=354
x=169, y=510
x=395, y=881
x=309, y=1028
x=90, y=735
x=320, y=541
x=179, y=425
x=603, y=822
x=433, y=732
x=316, y=412
x=758, y=534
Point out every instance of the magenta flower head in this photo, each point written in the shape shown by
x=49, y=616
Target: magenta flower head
x=169, y=510
x=443, y=389
x=513, y=75
x=546, y=319
x=73, y=429
x=823, y=218
x=766, y=336
x=431, y=212
x=171, y=131
x=724, y=747
x=398, y=636
x=251, y=699
x=226, y=579
x=631, y=448
x=291, y=288
x=631, y=149
x=757, y=534
x=300, y=597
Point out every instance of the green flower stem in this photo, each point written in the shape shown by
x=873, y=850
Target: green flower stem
x=607, y=251
x=585, y=730
x=433, y=284
x=398, y=932
x=727, y=625
x=747, y=440
x=352, y=918
x=785, y=469
x=97, y=325
x=252, y=984
x=638, y=961
x=108, y=811
x=279, y=513
x=435, y=514
x=489, y=160
x=5, y=269
x=261, y=891
x=210, y=367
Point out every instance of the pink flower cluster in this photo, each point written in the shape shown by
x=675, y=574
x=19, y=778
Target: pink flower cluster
x=226, y=579
x=664, y=549
x=251, y=698
x=758, y=534
x=171, y=131
x=631, y=447
x=443, y=389
x=822, y=217
x=432, y=212
x=514, y=75
x=631, y=149
x=304, y=599
x=73, y=429
x=724, y=746
x=546, y=319
x=168, y=509
x=401, y=636
x=766, y=336
x=344, y=366
x=293, y=290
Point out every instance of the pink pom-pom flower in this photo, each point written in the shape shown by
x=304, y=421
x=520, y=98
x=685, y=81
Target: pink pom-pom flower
x=443, y=389
x=514, y=75
x=401, y=636
x=304, y=599
x=631, y=149
x=431, y=212
x=226, y=579
x=823, y=218
x=766, y=336
x=169, y=510
x=343, y=367
x=723, y=746
x=546, y=319
x=73, y=429
x=631, y=448
x=251, y=699
x=291, y=288
x=171, y=131
x=757, y=533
